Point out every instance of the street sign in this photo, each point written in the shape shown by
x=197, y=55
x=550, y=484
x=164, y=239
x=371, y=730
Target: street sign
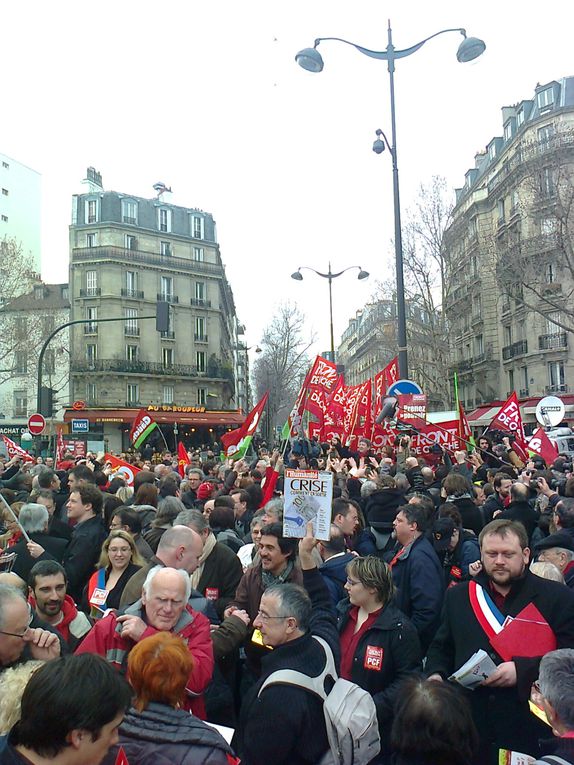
x=404, y=386
x=36, y=424
x=550, y=411
x=80, y=426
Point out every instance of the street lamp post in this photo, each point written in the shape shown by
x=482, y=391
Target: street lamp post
x=298, y=276
x=311, y=60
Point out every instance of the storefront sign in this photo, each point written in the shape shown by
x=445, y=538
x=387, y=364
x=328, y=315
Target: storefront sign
x=175, y=408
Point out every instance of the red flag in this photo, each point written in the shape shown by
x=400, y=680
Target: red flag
x=333, y=424
x=464, y=431
x=391, y=373
x=350, y=413
x=182, y=459
x=540, y=444
x=16, y=451
x=141, y=428
x=236, y=442
x=509, y=420
x=122, y=468
x=323, y=376
x=59, y=448
x=363, y=416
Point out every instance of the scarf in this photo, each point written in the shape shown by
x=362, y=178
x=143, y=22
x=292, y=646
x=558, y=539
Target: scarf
x=268, y=578
x=210, y=543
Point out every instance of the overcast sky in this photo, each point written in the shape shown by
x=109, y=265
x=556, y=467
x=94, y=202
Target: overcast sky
x=206, y=97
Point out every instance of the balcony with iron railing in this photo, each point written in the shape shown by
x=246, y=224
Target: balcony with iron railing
x=200, y=338
x=91, y=292
x=167, y=297
x=134, y=294
x=200, y=302
x=124, y=366
x=519, y=348
x=168, y=334
x=523, y=393
x=559, y=388
x=553, y=341
x=123, y=255
x=131, y=331
x=90, y=329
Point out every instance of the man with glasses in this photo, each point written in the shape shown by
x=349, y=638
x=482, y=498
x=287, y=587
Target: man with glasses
x=288, y=617
x=554, y=691
x=18, y=641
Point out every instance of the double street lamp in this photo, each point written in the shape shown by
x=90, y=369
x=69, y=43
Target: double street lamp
x=311, y=60
x=298, y=276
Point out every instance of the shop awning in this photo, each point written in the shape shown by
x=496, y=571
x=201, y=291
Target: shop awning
x=484, y=415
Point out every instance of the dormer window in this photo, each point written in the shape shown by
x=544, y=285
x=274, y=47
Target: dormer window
x=39, y=292
x=129, y=212
x=545, y=99
x=520, y=117
x=492, y=151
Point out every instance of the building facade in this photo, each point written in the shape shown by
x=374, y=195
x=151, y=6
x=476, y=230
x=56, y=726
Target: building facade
x=127, y=254
x=26, y=322
x=20, y=207
x=369, y=344
x=509, y=247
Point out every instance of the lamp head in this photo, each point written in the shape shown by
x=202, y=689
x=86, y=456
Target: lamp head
x=310, y=59
x=298, y=276
x=363, y=274
x=469, y=49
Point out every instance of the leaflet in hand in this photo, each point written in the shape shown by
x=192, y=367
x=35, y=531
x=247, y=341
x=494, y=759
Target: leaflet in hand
x=475, y=670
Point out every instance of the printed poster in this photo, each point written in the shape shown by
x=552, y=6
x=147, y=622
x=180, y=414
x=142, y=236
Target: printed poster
x=308, y=497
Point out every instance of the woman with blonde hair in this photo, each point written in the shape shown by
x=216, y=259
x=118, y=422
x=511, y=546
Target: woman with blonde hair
x=12, y=682
x=119, y=561
x=156, y=730
x=379, y=645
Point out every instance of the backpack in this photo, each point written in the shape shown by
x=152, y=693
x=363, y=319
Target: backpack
x=350, y=712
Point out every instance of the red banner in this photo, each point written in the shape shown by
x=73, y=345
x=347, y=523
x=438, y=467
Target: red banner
x=413, y=409
x=464, y=431
x=363, y=420
x=540, y=444
x=391, y=373
x=182, y=459
x=445, y=434
x=333, y=423
x=59, y=448
x=323, y=376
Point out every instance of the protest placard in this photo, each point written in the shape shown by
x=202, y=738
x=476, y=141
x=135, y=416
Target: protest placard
x=308, y=497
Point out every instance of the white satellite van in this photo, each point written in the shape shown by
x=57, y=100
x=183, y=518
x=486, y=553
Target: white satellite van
x=563, y=440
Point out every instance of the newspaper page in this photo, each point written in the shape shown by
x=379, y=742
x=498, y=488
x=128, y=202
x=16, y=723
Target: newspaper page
x=308, y=496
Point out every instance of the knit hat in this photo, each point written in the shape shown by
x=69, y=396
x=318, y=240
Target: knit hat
x=204, y=490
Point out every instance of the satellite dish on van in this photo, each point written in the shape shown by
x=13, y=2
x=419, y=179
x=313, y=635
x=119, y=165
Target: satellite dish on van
x=550, y=411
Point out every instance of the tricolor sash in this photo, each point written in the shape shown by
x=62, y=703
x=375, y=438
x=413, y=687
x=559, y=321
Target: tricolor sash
x=487, y=614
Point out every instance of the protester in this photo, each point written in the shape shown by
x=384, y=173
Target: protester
x=379, y=645
x=47, y=596
x=432, y=726
x=156, y=728
x=70, y=713
x=556, y=689
x=34, y=519
x=466, y=627
x=13, y=681
x=128, y=520
x=334, y=567
x=119, y=561
x=559, y=549
x=19, y=641
x=164, y=607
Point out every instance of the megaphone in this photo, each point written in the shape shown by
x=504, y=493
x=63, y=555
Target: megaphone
x=389, y=406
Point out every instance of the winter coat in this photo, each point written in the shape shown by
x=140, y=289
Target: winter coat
x=334, y=573
x=501, y=715
x=301, y=737
x=162, y=735
x=419, y=579
x=74, y=626
x=522, y=512
x=381, y=507
x=83, y=553
x=105, y=639
x=54, y=550
x=471, y=515
x=399, y=648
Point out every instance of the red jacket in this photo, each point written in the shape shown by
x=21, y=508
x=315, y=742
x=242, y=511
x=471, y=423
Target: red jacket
x=105, y=640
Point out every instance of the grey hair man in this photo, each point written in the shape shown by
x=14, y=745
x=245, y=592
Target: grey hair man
x=34, y=519
x=18, y=640
x=556, y=687
x=559, y=549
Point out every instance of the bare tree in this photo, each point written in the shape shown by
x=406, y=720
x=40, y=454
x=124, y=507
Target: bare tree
x=283, y=362
x=534, y=244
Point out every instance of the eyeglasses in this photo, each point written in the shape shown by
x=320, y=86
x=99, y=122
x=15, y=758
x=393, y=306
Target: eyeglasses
x=265, y=617
x=352, y=582
x=26, y=628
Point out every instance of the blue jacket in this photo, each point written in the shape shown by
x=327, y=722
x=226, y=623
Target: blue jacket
x=334, y=573
x=419, y=579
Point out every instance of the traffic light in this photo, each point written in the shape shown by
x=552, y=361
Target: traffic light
x=162, y=317
x=48, y=402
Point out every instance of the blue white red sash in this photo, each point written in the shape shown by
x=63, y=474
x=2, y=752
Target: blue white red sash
x=488, y=615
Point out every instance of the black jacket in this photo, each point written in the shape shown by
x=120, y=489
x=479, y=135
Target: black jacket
x=472, y=517
x=401, y=657
x=162, y=735
x=419, y=579
x=460, y=635
x=381, y=507
x=54, y=550
x=523, y=512
x=83, y=553
x=301, y=737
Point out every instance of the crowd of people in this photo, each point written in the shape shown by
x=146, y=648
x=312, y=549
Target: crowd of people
x=137, y=616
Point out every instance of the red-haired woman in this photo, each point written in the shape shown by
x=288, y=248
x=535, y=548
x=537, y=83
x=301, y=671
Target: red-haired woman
x=155, y=731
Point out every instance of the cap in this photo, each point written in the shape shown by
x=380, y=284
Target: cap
x=442, y=531
x=560, y=539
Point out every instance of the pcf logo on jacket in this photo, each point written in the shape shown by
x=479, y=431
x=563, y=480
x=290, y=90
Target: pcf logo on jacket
x=373, y=658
